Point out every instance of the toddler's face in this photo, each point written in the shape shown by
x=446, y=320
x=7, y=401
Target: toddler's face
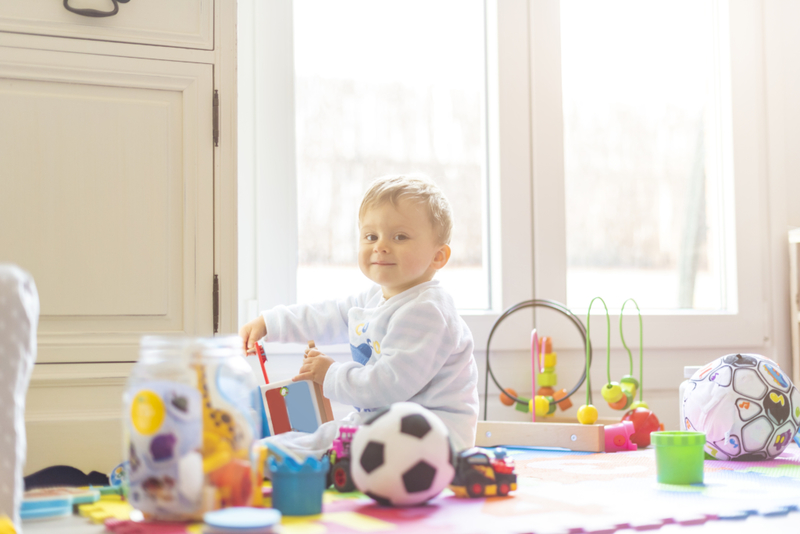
x=398, y=247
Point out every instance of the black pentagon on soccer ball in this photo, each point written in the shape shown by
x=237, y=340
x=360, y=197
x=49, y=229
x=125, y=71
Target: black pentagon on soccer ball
x=374, y=415
x=383, y=501
x=372, y=457
x=777, y=406
x=751, y=457
x=740, y=360
x=415, y=425
x=419, y=478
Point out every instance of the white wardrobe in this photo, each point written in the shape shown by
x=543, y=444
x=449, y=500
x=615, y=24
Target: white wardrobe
x=118, y=194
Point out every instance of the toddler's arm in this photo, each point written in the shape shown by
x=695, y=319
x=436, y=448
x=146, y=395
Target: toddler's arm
x=415, y=349
x=325, y=322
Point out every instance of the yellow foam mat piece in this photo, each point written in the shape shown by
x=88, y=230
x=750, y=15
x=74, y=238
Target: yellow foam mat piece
x=104, y=509
x=358, y=522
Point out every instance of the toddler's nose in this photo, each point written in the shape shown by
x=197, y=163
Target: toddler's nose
x=381, y=245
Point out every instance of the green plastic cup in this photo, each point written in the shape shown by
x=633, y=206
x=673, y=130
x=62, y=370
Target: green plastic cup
x=679, y=456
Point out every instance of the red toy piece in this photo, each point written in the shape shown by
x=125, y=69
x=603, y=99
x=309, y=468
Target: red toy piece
x=262, y=359
x=644, y=421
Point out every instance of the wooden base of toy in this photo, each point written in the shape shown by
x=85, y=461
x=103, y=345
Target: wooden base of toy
x=573, y=436
x=568, y=419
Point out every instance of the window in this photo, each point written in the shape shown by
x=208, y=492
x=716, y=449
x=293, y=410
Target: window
x=387, y=88
x=655, y=160
x=554, y=127
x=334, y=94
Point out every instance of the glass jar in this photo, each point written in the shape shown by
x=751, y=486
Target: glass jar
x=189, y=427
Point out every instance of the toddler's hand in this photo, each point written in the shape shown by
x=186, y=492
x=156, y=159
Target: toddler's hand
x=252, y=332
x=315, y=367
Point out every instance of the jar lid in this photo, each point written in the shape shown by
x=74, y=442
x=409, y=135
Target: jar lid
x=237, y=518
x=679, y=439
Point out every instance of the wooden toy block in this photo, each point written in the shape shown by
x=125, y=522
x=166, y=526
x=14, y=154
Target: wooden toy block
x=573, y=436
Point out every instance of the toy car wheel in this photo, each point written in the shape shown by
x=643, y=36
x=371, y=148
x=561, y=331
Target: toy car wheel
x=341, y=476
x=503, y=489
x=475, y=487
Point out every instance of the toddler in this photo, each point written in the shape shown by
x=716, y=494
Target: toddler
x=407, y=340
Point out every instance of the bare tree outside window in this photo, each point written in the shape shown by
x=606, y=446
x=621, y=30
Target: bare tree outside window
x=388, y=87
x=641, y=184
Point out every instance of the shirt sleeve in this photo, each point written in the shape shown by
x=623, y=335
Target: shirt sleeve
x=416, y=346
x=324, y=322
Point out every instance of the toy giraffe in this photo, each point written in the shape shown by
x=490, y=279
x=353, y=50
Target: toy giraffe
x=218, y=429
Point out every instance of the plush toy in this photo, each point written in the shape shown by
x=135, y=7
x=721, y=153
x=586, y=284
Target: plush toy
x=401, y=456
x=747, y=407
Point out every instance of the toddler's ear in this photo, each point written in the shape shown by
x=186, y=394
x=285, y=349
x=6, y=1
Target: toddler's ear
x=441, y=257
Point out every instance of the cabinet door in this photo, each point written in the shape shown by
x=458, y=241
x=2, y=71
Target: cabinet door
x=106, y=197
x=175, y=23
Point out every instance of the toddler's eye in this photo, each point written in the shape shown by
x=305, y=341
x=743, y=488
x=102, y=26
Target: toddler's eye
x=370, y=237
x=400, y=237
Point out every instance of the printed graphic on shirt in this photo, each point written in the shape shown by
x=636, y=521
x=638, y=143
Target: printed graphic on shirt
x=362, y=352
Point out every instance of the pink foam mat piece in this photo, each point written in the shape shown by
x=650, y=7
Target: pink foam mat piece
x=119, y=526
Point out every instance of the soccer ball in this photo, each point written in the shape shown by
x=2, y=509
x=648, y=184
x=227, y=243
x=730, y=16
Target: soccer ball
x=402, y=456
x=747, y=407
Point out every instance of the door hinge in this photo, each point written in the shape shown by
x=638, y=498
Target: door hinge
x=215, y=297
x=216, y=117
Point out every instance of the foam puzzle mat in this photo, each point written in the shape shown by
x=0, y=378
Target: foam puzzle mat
x=566, y=492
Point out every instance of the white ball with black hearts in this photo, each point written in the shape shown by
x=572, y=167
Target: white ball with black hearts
x=745, y=404
x=401, y=455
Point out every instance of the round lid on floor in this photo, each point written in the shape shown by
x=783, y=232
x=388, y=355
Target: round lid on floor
x=243, y=518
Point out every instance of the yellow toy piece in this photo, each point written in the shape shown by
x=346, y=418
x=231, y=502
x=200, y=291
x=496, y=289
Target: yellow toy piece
x=547, y=379
x=587, y=414
x=542, y=406
x=101, y=510
x=612, y=392
x=550, y=360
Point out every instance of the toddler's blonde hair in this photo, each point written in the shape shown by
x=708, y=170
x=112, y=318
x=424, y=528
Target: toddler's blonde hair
x=416, y=188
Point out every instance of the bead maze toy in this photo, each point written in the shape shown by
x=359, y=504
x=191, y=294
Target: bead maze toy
x=573, y=436
x=587, y=435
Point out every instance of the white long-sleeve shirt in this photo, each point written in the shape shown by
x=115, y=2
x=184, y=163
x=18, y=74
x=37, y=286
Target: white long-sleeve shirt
x=411, y=347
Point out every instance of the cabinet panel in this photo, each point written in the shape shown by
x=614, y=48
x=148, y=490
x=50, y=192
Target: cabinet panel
x=177, y=23
x=107, y=182
x=73, y=416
